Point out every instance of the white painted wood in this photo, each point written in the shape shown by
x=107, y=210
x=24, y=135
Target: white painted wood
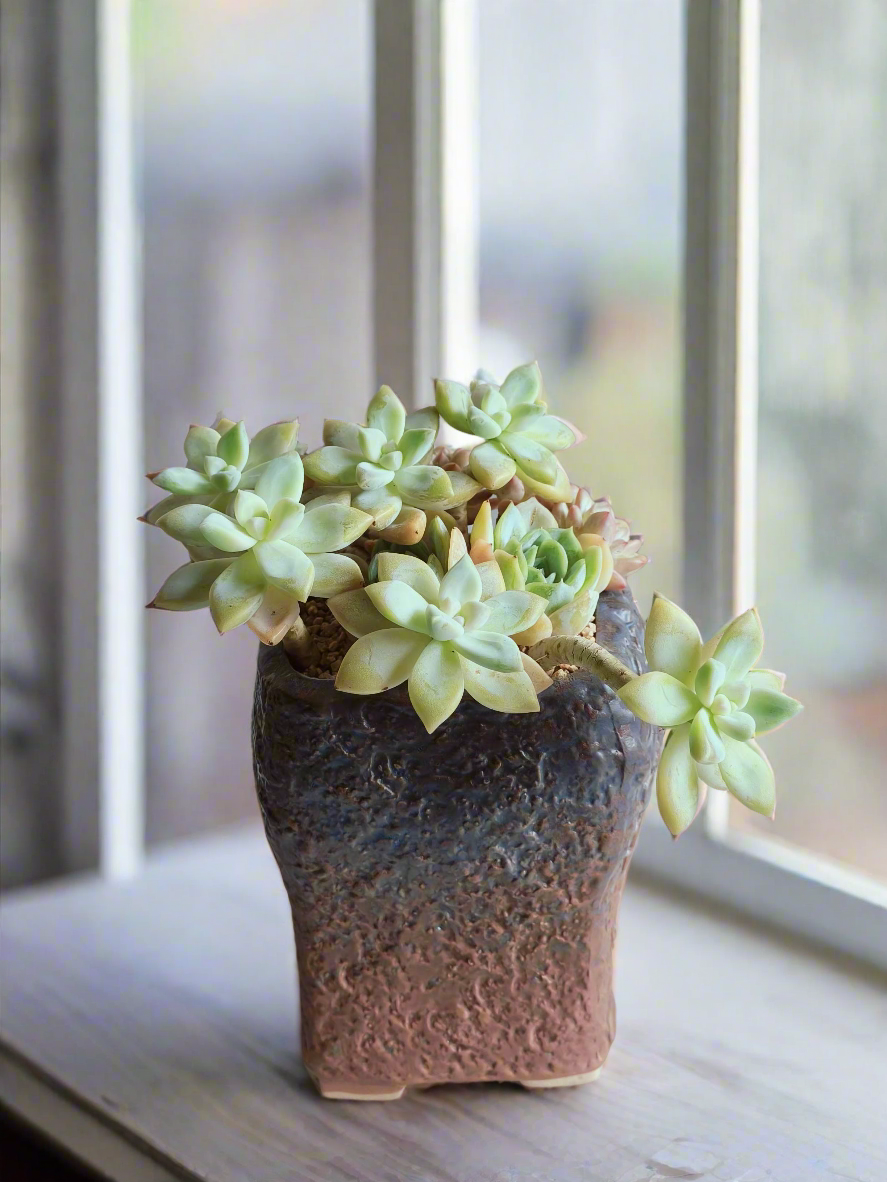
x=165, y=1009
x=102, y=461
x=425, y=237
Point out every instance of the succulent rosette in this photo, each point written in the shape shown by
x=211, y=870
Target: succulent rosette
x=716, y=702
x=383, y=465
x=220, y=460
x=518, y=435
x=589, y=515
x=442, y=636
x=271, y=555
x=535, y=555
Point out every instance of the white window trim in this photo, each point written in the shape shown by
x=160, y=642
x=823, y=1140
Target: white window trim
x=765, y=878
x=102, y=813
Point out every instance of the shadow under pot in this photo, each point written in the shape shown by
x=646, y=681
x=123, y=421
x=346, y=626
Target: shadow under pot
x=454, y=895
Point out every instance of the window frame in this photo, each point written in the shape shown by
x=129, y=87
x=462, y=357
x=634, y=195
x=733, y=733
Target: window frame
x=425, y=239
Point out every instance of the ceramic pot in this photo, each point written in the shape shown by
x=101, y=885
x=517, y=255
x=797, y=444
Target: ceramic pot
x=454, y=895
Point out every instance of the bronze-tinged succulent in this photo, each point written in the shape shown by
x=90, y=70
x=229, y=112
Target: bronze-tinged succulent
x=589, y=515
x=451, y=459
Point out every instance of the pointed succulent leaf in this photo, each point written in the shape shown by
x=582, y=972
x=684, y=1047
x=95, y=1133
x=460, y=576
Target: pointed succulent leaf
x=334, y=574
x=183, y=482
x=710, y=775
x=482, y=530
x=767, y=679
x=424, y=485
x=281, y=479
x=741, y=644
x=380, y=660
x=286, y=567
x=738, y=725
x=532, y=459
x=550, y=431
x=407, y=527
x=709, y=678
x=200, y=442
x=510, y=693
x=748, y=776
x=285, y=519
x=770, y=709
x=454, y=404
x=490, y=649
x=513, y=611
x=382, y=504
x=187, y=588
x=464, y=488
x=491, y=465
x=672, y=642
x=559, y=490
x=457, y=548
x=678, y=791
x=274, y=616
x=386, y=413
x=152, y=516
x=369, y=476
x=541, y=630
x=523, y=385
x=476, y=615
x=406, y=568
x=492, y=581
x=237, y=593
x=356, y=613
x=370, y=443
x=233, y=446
x=248, y=505
x=338, y=433
x=593, y=574
x=275, y=440
x=737, y=692
x=424, y=419
x=223, y=533
x=706, y=745
x=482, y=424
x=401, y=604
x=415, y=445
x=184, y=523
x=509, y=566
x=331, y=527
x=539, y=679
x=660, y=699
x=436, y=684
x=461, y=583
x=570, y=619
x=332, y=465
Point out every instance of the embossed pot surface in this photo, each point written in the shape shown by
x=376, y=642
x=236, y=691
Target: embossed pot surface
x=454, y=895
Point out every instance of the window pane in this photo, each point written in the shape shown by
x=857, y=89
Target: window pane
x=822, y=549
x=580, y=168
x=256, y=300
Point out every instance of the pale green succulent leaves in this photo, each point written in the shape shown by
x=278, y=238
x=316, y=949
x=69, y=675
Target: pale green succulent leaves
x=382, y=464
x=441, y=637
x=281, y=551
x=518, y=435
x=535, y=555
x=220, y=462
x=716, y=704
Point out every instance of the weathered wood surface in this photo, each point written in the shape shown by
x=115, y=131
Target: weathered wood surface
x=163, y=1013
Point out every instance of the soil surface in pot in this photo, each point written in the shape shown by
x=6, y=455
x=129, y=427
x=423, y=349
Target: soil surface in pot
x=454, y=895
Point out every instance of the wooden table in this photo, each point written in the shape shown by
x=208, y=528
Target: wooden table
x=150, y=1029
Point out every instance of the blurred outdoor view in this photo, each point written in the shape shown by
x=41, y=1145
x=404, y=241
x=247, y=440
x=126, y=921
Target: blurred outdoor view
x=822, y=514
x=256, y=178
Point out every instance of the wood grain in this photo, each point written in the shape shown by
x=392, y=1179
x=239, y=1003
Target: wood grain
x=165, y=1008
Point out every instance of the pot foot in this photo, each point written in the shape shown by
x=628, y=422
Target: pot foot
x=563, y=1081
x=345, y=1091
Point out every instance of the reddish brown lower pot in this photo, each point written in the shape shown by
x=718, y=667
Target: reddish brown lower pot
x=454, y=895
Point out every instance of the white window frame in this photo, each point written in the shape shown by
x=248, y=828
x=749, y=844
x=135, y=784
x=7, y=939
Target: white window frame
x=425, y=232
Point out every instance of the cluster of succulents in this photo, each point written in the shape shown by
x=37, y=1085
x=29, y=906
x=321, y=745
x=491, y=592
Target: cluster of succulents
x=469, y=569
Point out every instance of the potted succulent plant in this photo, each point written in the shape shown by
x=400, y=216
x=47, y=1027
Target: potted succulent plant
x=458, y=721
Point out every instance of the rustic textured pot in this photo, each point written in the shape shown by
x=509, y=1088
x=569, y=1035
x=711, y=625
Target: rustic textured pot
x=454, y=895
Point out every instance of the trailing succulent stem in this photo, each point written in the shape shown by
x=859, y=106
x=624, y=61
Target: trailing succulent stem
x=587, y=654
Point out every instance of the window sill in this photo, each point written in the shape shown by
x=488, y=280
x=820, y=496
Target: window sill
x=149, y=1028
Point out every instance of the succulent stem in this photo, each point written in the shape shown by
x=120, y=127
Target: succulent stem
x=587, y=654
x=299, y=645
